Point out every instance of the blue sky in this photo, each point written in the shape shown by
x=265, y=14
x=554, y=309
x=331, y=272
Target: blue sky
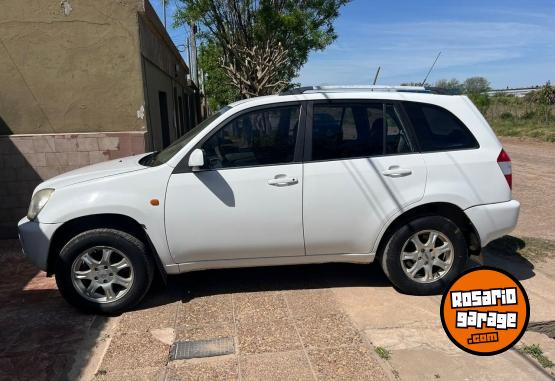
x=512, y=43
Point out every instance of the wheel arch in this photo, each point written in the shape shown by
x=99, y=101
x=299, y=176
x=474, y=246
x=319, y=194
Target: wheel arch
x=444, y=209
x=78, y=225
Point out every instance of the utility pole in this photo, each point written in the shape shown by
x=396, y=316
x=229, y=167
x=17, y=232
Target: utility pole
x=165, y=3
x=193, y=54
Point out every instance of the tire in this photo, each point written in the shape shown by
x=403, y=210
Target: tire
x=122, y=248
x=421, y=283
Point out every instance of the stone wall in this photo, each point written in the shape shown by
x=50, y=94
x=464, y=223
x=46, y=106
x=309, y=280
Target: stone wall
x=26, y=160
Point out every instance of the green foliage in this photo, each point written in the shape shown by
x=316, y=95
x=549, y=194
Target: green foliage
x=536, y=352
x=476, y=85
x=257, y=47
x=453, y=86
x=545, y=95
x=528, y=116
x=217, y=87
x=383, y=353
x=481, y=100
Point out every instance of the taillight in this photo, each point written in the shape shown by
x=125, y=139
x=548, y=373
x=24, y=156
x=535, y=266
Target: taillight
x=504, y=162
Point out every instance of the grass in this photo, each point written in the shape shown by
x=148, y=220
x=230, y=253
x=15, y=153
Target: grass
x=536, y=352
x=383, y=353
x=533, y=249
x=524, y=128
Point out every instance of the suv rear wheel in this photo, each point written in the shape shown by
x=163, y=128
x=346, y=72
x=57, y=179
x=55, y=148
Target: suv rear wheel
x=104, y=270
x=425, y=255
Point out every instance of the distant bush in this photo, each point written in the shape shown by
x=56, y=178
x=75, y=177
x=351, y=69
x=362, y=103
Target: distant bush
x=529, y=115
x=506, y=115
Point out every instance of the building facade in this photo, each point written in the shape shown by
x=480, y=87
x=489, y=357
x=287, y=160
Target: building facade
x=82, y=82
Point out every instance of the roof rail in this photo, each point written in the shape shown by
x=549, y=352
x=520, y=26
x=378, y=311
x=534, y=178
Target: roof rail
x=356, y=88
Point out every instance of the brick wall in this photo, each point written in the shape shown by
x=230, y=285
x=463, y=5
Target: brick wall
x=26, y=160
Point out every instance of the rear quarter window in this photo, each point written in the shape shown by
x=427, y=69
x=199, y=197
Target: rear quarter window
x=437, y=129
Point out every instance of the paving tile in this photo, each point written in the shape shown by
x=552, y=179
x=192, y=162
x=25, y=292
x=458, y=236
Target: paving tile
x=206, y=310
x=214, y=368
x=142, y=374
x=58, y=339
x=135, y=350
x=327, y=331
x=345, y=363
x=267, y=336
x=56, y=312
x=251, y=306
x=204, y=332
x=312, y=303
x=7, y=336
x=35, y=365
x=150, y=318
x=276, y=366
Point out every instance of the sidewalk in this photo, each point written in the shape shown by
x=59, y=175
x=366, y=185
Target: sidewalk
x=42, y=337
x=285, y=322
x=410, y=328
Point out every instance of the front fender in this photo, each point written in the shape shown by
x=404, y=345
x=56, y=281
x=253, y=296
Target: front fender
x=128, y=194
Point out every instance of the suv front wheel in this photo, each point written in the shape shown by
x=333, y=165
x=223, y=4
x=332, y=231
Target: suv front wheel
x=423, y=256
x=104, y=271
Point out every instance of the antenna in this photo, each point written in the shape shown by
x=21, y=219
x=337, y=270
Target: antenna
x=429, y=71
x=376, y=76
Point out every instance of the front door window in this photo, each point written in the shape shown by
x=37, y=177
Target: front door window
x=263, y=137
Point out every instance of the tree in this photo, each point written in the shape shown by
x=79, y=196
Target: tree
x=453, y=86
x=476, y=85
x=258, y=46
x=545, y=97
x=216, y=85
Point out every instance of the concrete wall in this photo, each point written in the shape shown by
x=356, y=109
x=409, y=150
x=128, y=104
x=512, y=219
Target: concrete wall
x=165, y=72
x=26, y=160
x=79, y=84
x=70, y=67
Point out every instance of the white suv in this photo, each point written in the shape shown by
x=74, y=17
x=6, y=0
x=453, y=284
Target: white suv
x=414, y=180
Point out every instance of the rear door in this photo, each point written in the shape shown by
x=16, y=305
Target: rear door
x=361, y=167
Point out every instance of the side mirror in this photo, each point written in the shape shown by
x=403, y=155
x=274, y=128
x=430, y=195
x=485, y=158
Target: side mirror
x=196, y=159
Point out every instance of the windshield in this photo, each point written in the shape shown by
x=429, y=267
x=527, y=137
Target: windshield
x=166, y=154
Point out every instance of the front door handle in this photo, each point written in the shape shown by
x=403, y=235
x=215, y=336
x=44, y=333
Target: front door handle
x=282, y=180
x=396, y=171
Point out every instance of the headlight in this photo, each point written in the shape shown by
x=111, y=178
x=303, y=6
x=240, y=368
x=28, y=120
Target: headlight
x=38, y=202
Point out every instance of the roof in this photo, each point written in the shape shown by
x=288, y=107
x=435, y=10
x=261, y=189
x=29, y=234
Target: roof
x=413, y=93
x=351, y=88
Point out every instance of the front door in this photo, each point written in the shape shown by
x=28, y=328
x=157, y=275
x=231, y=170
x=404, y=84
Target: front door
x=247, y=200
x=360, y=170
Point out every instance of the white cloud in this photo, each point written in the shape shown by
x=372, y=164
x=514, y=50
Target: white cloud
x=405, y=51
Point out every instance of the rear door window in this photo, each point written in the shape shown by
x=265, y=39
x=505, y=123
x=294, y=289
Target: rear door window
x=345, y=130
x=438, y=129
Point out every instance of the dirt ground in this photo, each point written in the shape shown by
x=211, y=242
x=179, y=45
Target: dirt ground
x=533, y=185
x=302, y=322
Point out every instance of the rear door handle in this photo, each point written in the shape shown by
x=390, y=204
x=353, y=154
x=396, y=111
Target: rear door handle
x=396, y=171
x=282, y=180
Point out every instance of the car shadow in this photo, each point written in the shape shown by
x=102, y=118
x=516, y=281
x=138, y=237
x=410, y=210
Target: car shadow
x=503, y=253
x=42, y=336
x=186, y=287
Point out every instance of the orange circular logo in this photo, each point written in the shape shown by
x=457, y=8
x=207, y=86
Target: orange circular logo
x=485, y=311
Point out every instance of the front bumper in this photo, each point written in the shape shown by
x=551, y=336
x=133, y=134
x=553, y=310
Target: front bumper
x=35, y=240
x=494, y=220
